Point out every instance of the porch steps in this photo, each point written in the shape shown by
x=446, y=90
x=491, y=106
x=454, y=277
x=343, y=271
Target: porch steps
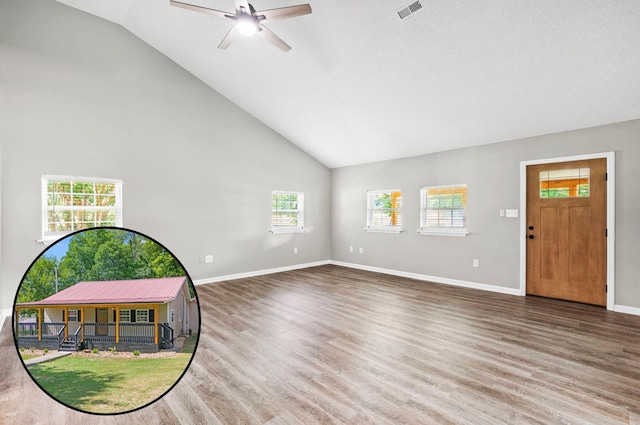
x=68, y=346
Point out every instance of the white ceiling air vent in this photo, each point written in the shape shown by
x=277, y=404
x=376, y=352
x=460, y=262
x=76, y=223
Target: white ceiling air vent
x=405, y=12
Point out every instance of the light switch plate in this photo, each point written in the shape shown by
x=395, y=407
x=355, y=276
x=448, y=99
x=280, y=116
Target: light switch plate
x=512, y=213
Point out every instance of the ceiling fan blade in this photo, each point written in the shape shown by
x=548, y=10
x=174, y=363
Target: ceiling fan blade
x=244, y=4
x=273, y=39
x=231, y=35
x=202, y=9
x=284, y=12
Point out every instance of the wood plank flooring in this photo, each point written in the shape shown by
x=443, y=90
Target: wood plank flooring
x=333, y=345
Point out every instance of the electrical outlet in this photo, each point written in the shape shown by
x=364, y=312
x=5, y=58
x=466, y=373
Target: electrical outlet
x=201, y=259
x=476, y=263
x=295, y=250
x=501, y=213
x=351, y=249
x=208, y=259
x=361, y=250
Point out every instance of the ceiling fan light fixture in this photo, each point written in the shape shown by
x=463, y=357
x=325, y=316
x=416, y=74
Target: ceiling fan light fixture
x=246, y=25
x=248, y=21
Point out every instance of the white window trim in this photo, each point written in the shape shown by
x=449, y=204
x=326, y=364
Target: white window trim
x=141, y=310
x=380, y=229
x=442, y=232
x=69, y=316
x=48, y=239
x=439, y=231
x=128, y=314
x=300, y=211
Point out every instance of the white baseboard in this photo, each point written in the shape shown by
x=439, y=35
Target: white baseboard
x=259, y=272
x=436, y=279
x=455, y=282
x=628, y=310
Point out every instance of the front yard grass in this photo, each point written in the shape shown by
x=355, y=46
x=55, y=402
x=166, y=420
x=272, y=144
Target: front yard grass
x=28, y=356
x=109, y=385
x=30, y=353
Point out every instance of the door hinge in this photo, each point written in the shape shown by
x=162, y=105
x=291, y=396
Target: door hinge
x=606, y=176
x=606, y=233
x=606, y=288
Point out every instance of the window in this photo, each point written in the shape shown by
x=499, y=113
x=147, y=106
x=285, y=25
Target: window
x=74, y=316
x=443, y=210
x=384, y=211
x=565, y=183
x=125, y=315
x=75, y=203
x=142, y=315
x=287, y=215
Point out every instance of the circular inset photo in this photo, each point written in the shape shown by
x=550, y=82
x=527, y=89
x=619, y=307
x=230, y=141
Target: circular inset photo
x=106, y=320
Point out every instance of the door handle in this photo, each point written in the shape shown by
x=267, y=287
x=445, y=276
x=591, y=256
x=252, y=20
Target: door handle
x=531, y=236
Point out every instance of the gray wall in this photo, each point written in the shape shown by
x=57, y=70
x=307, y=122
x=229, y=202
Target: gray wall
x=492, y=173
x=82, y=96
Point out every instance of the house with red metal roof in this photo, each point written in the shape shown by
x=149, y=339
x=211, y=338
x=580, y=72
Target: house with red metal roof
x=137, y=314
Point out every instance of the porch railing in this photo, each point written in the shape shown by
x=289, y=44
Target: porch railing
x=137, y=333
x=30, y=330
x=61, y=335
x=75, y=338
x=166, y=335
x=100, y=332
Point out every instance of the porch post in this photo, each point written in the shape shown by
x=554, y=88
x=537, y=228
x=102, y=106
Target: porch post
x=39, y=324
x=155, y=323
x=117, y=323
x=82, y=321
x=66, y=321
x=15, y=325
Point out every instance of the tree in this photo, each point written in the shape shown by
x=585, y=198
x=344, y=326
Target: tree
x=112, y=261
x=159, y=262
x=100, y=254
x=79, y=261
x=40, y=280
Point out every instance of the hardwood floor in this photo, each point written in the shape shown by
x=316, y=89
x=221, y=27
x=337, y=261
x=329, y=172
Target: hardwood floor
x=335, y=345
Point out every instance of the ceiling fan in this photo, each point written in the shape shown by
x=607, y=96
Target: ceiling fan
x=248, y=21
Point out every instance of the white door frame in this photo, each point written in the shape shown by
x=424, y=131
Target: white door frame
x=611, y=218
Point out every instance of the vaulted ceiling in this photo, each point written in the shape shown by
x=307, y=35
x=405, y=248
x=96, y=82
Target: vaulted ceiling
x=362, y=85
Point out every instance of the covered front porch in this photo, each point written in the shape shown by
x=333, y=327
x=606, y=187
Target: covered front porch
x=74, y=327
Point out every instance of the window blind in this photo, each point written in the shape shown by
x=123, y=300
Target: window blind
x=443, y=207
x=75, y=203
x=287, y=211
x=384, y=210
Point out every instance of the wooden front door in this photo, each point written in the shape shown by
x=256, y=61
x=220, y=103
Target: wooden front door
x=566, y=231
x=102, y=317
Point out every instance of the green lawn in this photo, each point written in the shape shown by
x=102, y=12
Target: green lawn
x=190, y=344
x=109, y=385
x=28, y=356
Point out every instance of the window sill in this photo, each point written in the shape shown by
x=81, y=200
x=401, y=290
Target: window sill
x=458, y=233
x=370, y=230
x=281, y=231
x=50, y=240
